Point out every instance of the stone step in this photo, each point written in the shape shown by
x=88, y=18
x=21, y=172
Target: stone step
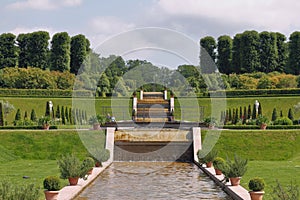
x=153, y=101
x=138, y=119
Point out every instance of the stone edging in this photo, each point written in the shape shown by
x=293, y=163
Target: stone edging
x=70, y=192
x=235, y=192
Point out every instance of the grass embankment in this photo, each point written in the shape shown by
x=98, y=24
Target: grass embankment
x=35, y=153
x=273, y=155
x=39, y=105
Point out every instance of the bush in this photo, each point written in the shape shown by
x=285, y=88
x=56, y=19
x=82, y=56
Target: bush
x=71, y=167
x=283, y=121
x=235, y=168
x=291, y=192
x=219, y=163
x=52, y=183
x=12, y=191
x=206, y=158
x=256, y=184
x=88, y=163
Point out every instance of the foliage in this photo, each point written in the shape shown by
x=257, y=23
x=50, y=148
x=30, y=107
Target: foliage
x=290, y=114
x=71, y=167
x=256, y=184
x=11, y=191
x=206, y=157
x=291, y=192
x=52, y=183
x=211, y=121
x=219, y=163
x=44, y=120
x=45, y=93
x=262, y=120
x=236, y=167
x=294, y=53
x=1, y=116
x=18, y=115
x=79, y=50
x=88, y=163
x=224, y=55
x=283, y=121
x=274, y=114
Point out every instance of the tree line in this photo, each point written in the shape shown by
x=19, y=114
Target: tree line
x=251, y=51
x=63, y=53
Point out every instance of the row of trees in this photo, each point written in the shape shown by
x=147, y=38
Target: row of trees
x=32, y=50
x=251, y=51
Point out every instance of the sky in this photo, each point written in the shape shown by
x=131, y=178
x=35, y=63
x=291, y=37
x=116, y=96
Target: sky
x=100, y=20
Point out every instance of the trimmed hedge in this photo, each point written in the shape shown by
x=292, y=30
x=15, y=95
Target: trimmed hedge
x=247, y=93
x=25, y=127
x=45, y=93
x=257, y=127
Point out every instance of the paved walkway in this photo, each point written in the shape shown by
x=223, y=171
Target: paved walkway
x=69, y=192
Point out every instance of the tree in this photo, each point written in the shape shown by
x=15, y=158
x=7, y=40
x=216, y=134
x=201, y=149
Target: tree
x=229, y=115
x=33, y=115
x=70, y=116
x=259, y=111
x=25, y=115
x=245, y=115
x=57, y=114
x=188, y=71
x=209, y=44
x=281, y=114
x=250, y=52
x=249, y=112
x=8, y=50
x=268, y=51
x=79, y=51
x=290, y=114
x=104, y=85
x=237, y=53
x=207, y=54
x=1, y=115
x=294, y=53
x=67, y=114
x=241, y=113
x=38, y=49
x=47, y=112
x=18, y=115
x=23, y=44
x=60, y=52
x=224, y=56
x=282, y=52
x=274, y=114
x=254, y=112
x=63, y=118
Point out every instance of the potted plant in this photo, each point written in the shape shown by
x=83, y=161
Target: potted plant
x=52, y=186
x=45, y=122
x=262, y=121
x=71, y=168
x=210, y=122
x=208, y=158
x=99, y=156
x=256, y=185
x=235, y=169
x=219, y=164
x=94, y=121
x=88, y=163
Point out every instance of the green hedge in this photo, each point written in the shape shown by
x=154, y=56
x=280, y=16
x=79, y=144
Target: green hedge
x=257, y=127
x=247, y=93
x=45, y=93
x=25, y=127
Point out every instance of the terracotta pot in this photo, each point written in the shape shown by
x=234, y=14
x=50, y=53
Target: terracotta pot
x=51, y=195
x=263, y=126
x=256, y=195
x=90, y=171
x=96, y=126
x=218, y=172
x=209, y=164
x=73, y=181
x=46, y=126
x=235, y=181
x=98, y=164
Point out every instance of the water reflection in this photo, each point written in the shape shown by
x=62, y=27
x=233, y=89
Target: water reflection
x=132, y=180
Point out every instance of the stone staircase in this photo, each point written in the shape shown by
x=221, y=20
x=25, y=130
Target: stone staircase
x=153, y=108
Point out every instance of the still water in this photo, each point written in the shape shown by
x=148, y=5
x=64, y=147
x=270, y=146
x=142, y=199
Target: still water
x=152, y=180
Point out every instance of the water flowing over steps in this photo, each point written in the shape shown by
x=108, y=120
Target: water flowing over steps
x=153, y=108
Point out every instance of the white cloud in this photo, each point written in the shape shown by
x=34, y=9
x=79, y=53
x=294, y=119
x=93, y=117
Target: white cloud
x=19, y=30
x=269, y=14
x=43, y=4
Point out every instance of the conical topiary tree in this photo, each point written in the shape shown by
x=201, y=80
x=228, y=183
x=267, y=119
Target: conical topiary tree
x=249, y=112
x=1, y=115
x=229, y=115
x=281, y=114
x=33, y=115
x=18, y=115
x=259, y=110
x=245, y=115
x=67, y=114
x=291, y=115
x=274, y=114
x=25, y=115
x=47, y=112
x=57, y=114
x=63, y=119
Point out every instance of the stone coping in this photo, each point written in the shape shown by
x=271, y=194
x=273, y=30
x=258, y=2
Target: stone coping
x=235, y=192
x=70, y=192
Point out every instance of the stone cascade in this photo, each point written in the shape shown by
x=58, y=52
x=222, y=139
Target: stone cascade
x=153, y=107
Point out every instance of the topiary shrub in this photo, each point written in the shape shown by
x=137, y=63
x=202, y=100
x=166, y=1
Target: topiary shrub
x=88, y=163
x=236, y=167
x=283, y=121
x=219, y=163
x=52, y=183
x=256, y=184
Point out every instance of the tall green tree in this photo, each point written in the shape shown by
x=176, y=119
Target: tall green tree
x=224, y=56
x=268, y=51
x=291, y=114
x=274, y=114
x=57, y=114
x=33, y=115
x=67, y=114
x=250, y=51
x=8, y=50
x=18, y=115
x=294, y=53
x=63, y=118
x=104, y=85
x=60, y=52
x=1, y=115
x=249, y=112
x=254, y=112
x=237, y=53
x=80, y=47
x=23, y=45
x=25, y=115
x=282, y=49
x=208, y=47
x=47, y=111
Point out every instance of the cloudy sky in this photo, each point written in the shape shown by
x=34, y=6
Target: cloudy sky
x=99, y=19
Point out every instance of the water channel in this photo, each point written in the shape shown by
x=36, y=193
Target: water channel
x=152, y=180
